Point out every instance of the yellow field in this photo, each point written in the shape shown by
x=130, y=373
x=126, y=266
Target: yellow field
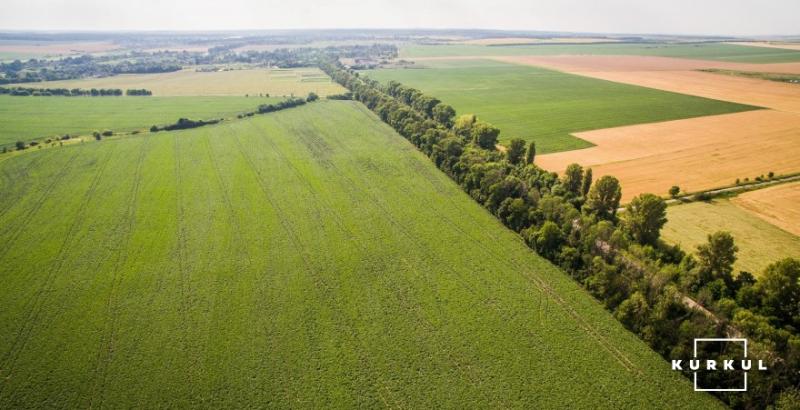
x=275, y=82
x=778, y=205
x=769, y=44
x=695, y=154
x=760, y=243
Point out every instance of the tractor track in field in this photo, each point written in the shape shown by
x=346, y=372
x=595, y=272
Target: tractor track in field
x=20, y=340
x=8, y=179
x=329, y=165
x=540, y=283
x=322, y=285
x=466, y=376
x=106, y=352
x=35, y=208
x=183, y=282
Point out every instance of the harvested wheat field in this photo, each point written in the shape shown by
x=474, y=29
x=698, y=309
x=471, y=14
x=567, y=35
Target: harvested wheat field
x=768, y=44
x=586, y=64
x=778, y=205
x=695, y=154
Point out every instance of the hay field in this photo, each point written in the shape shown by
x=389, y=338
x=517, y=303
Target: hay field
x=275, y=82
x=309, y=258
x=695, y=154
x=778, y=205
x=760, y=243
x=544, y=105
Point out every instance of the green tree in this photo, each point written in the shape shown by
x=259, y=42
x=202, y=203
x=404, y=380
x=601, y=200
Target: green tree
x=312, y=96
x=572, y=179
x=484, y=134
x=463, y=125
x=644, y=218
x=780, y=290
x=716, y=258
x=587, y=181
x=20, y=145
x=603, y=198
x=444, y=114
x=548, y=239
x=530, y=155
x=516, y=150
x=674, y=191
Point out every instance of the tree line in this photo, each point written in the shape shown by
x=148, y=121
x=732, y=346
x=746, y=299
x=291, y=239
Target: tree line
x=72, y=92
x=573, y=221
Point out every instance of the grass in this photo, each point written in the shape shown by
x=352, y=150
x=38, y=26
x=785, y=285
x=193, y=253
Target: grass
x=239, y=82
x=548, y=106
x=307, y=258
x=781, y=78
x=28, y=118
x=704, y=51
x=760, y=243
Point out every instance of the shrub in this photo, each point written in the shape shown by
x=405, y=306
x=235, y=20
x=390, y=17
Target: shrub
x=20, y=145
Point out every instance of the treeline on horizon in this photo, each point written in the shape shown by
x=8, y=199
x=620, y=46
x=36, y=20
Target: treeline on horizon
x=149, y=62
x=73, y=92
x=573, y=221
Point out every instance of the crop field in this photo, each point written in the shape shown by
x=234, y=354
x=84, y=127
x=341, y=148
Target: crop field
x=307, y=258
x=779, y=205
x=26, y=118
x=188, y=82
x=760, y=243
x=544, y=105
x=23, y=50
x=695, y=154
x=706, y=51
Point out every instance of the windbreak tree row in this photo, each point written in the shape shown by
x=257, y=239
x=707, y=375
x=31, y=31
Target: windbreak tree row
x=665, y=295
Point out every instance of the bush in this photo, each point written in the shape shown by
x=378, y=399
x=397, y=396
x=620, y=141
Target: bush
x=312, y=96
x=20, y=145
x=702, y=196
x=107, y=133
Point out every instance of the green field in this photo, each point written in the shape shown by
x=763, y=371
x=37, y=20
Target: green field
x=547, y=106
x=760, y=243
x=705, y=51
x=27, y=118
x=310, y=258
x=233, y=82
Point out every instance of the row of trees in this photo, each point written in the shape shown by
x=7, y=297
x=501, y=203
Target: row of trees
x=72, y=92
x=573, y=221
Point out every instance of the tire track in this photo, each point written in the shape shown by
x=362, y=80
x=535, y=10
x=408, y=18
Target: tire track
x=35, y=208
x=38, y=301
x=355, y=196
x=112, y=308
x=321, y=284
x=538, y=282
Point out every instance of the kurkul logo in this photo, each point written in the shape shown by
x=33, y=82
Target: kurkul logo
x=699, y=365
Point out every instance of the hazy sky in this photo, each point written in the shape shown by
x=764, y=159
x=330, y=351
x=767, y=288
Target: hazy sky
x=731, y=17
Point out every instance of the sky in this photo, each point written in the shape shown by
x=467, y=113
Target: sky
x=706, y=17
